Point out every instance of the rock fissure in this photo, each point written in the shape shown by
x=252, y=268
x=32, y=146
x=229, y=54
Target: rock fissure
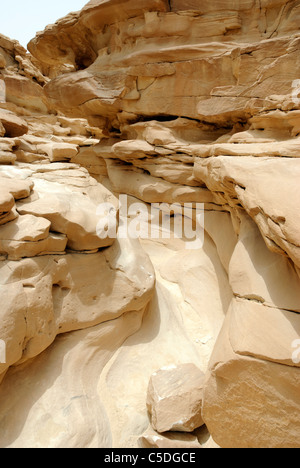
x=169, y=102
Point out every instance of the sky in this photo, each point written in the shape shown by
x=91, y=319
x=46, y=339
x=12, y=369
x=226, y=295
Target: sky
x=21, y=19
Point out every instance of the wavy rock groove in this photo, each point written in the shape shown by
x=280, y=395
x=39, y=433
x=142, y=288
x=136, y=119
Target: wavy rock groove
x=153, y=115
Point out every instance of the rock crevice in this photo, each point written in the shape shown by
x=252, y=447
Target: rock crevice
x=166, y=102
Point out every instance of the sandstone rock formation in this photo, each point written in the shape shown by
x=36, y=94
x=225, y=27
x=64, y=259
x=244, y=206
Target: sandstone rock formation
x=175, y=399
x=176, y=102
x=151, y=439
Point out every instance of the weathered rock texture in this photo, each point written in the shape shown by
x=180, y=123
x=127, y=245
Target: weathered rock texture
x=166, y=101
x=174, y=399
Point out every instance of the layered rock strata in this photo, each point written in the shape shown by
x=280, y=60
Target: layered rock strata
x=171, y=102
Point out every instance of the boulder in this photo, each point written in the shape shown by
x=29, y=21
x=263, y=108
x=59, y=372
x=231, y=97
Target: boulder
x=168, y=440
x=14, y=125
x=251, y=393
x=174, y=399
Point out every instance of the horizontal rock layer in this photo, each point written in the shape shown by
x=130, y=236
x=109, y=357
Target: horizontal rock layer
x=169, y=102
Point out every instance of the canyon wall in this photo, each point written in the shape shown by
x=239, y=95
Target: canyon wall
x=167, y=102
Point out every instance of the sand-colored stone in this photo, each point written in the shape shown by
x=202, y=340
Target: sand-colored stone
x=175, y=101
x=7, y=158
x=7, y=200
x=259, y=274
x=168, y=440
x=174, y=398
x=254, y=184
x=54, y=288
x=2, y=61
x=245, y=392
x=283, y=331
x=17, y=187
x=72, y=209
x=51, y=245
x=44, y=385
x=227, y=43
x=29, y=236
x=26, y=228
x=11, y=190
x=14, y=126
x=59, y=151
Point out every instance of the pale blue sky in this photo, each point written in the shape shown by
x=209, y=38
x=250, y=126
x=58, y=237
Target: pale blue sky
x=21, y=19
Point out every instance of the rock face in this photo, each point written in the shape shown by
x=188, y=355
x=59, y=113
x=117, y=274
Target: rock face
x=175, y=399
x=151, y=439
x=167, y=102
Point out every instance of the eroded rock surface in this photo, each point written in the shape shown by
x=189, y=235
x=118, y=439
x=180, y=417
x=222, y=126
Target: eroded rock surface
x=174, y=398
x=165, y=101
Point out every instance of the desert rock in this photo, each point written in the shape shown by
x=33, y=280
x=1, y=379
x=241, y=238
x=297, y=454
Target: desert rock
x=13, y=125
x=152, y=439
x=174, y=398
x=179, y=104
x=249, y=372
